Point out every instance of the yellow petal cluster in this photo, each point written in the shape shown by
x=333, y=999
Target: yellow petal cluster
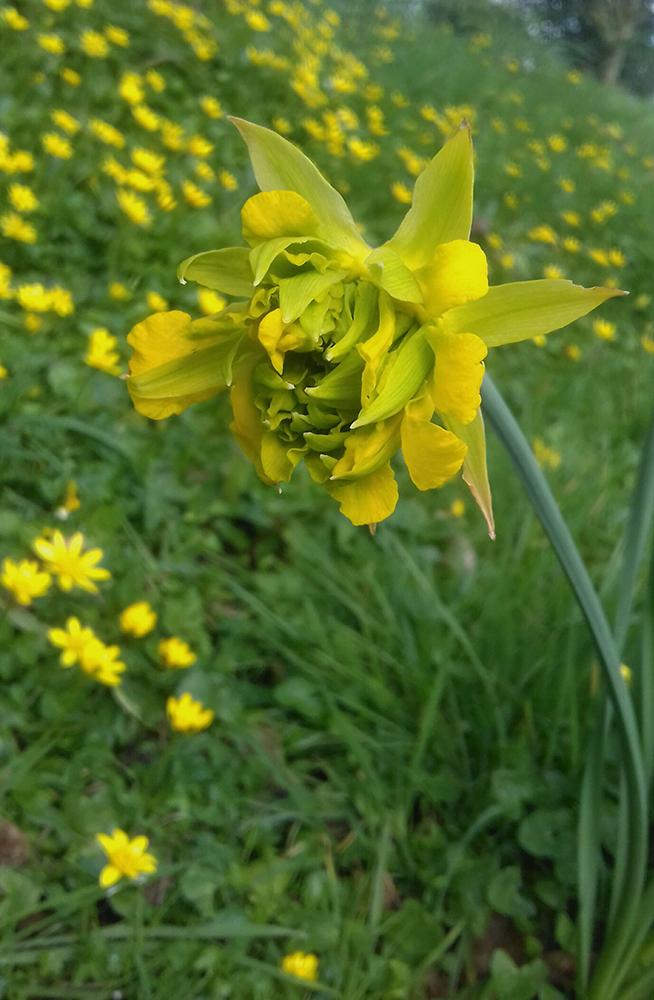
x=126, y=858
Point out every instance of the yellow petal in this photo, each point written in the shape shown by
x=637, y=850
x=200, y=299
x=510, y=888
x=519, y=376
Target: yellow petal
x=277, y=213
x=475, y=472
x=368, y=500
x=109, y=876
x=367, y=449
x=457, y=273
x=373, y=350
x=278, y=460
x=458, y=371
x=432, y=454
x=247, y=427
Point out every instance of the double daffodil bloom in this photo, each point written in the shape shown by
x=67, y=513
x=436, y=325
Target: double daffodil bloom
x=338, y=354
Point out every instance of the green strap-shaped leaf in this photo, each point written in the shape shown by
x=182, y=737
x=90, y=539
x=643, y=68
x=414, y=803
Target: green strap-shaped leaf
x=442, y=203
x=413, y=362
x=524, y=309
x=475, y=471
x=226, y=270
x=189, y=374
x=389, y=271
x=280, y=166
x=296, y=293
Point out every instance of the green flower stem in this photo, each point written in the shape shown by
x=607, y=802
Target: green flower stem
x=544, y=504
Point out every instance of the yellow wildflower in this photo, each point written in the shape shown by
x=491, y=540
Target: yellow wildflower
x=63, y=558
x=573, y=352
x=176, y=653
x=101, y=352
x=552, y=271
x=513, y=170
x=51, y=43
x=118, y=292
x=172, y=135
x=130, y=88
x=402, y=193
x=165, y=199
x=556, y=143
x=228, y=180
x=106, y=133
x=573, y=76
x=363, y=151
x=3, y=372
x=599, y=256
x=117, y=36
x=72, y=640
x=65, y=121
x=70, y=76
x=603, y=329
x=148, y=160
x=33, y=323
x=138, y=619
x=134, y=207
x=156, y=302
x=187, y=715
x=507, y=260
x=546, y=456
x=14, y=20
x=571, y=244
x=204, y=171
x=195, y=196
x=211, y=107
x=647, y=343
x=301, y=964
x=61, y=301
x=16, y=228
x=457, y=508
x=71, y=501
x=126, y=857
x=22, y=198
x=146, y=117
x=617, y=258
x=210, y=302
x=642, y=300
x=543, y=234
x=567, y=185
x=56, y=145
x=199, y=146
x=155, y=80
x=510, y=200
x=572, y=218
x=101, y=662
x=495, y=241
x=57, y=5
x=25, y=579
x=94, y=44
x=257, y=20
x=281, y=125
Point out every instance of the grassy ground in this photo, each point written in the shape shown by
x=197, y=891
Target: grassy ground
x=391, y=778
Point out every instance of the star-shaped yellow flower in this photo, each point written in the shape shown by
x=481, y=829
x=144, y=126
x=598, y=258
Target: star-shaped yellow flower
x=126, y=857
x=64, y=559
x=187, y=715
x=25, y=579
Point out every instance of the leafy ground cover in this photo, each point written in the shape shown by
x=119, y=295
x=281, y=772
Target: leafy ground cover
x=391, y=778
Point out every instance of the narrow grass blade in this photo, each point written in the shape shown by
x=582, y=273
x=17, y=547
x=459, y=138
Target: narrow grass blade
x=588, y=841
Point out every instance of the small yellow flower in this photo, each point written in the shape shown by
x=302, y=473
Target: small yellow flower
x=117, y=36
x=647, y=343
x=51, y=43
x=257, y=20
x=126, y=857
x=553, y=271
x=574, y=76
x=617, y=258
x=363, y=151
x=14, y=227
x=301, y=964
x=3, y=372
x=507, y=260
x=457, y=508
x=282, y=126
x=204, y=171
x=211, y=107
x=101, y=663
x=195, y=196
x=546, y=456
x=571, y=244
x=72, y=640
x=543, y=234
x=61, y=301
x=626, y=674
x=63, y=558
x=156, y=302
x=101, y=352
x=106, y=133
x=14, y=20
x=228, y=180
x=513, y=170
x=572, y=218
x=94, y=44
x=567, y=185
x=599, y=256
x=402, y=193
x=130, y=88
x=148, y=160
x=146, y=117
x=210, y=301
x=71, y=501
x=22, y=198
x=65, y=121
x=556, y=143
x=138, y=619
x=24, y=579
x=603, y=329
x=175, y=653
x=57, y=5
x=495, y=240
x=134, y=207
x=56, y=146
x=33, y=323
x=186, y=715
x=118, y=292
x=573, y=352
x=199, y=146
x=155, y=80
x=70, y=76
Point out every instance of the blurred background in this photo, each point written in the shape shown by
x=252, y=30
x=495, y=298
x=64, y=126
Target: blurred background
x=391, y=776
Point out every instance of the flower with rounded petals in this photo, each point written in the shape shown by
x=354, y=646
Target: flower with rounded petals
x=101, y=662
x=73, y=640
x=126, y=857
x=176, y=653
x=302, y=964
x=138, y=619
x=187, y=715
x=64, y=559
x=25, y=579
x=340, y=355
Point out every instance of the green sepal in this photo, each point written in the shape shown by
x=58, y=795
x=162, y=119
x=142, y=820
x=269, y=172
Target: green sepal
x=408, y=369
x=388, y=271
x=226, y=270
x=280, y=166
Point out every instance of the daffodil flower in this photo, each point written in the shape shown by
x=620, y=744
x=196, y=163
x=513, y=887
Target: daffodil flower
x=338, y=354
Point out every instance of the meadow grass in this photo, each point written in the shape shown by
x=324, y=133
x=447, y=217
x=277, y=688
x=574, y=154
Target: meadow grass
x=391, y=779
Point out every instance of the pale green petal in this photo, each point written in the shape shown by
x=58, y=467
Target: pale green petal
x=475, y=472
x=389, y=271
x=280, y=166
x=525, y=309
x=409, y=367
x=296, y=293
x=193, y=373
x=442, y=203
x=226, y=270
x=261, y=257
x=343, y=384
x=364, y=310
